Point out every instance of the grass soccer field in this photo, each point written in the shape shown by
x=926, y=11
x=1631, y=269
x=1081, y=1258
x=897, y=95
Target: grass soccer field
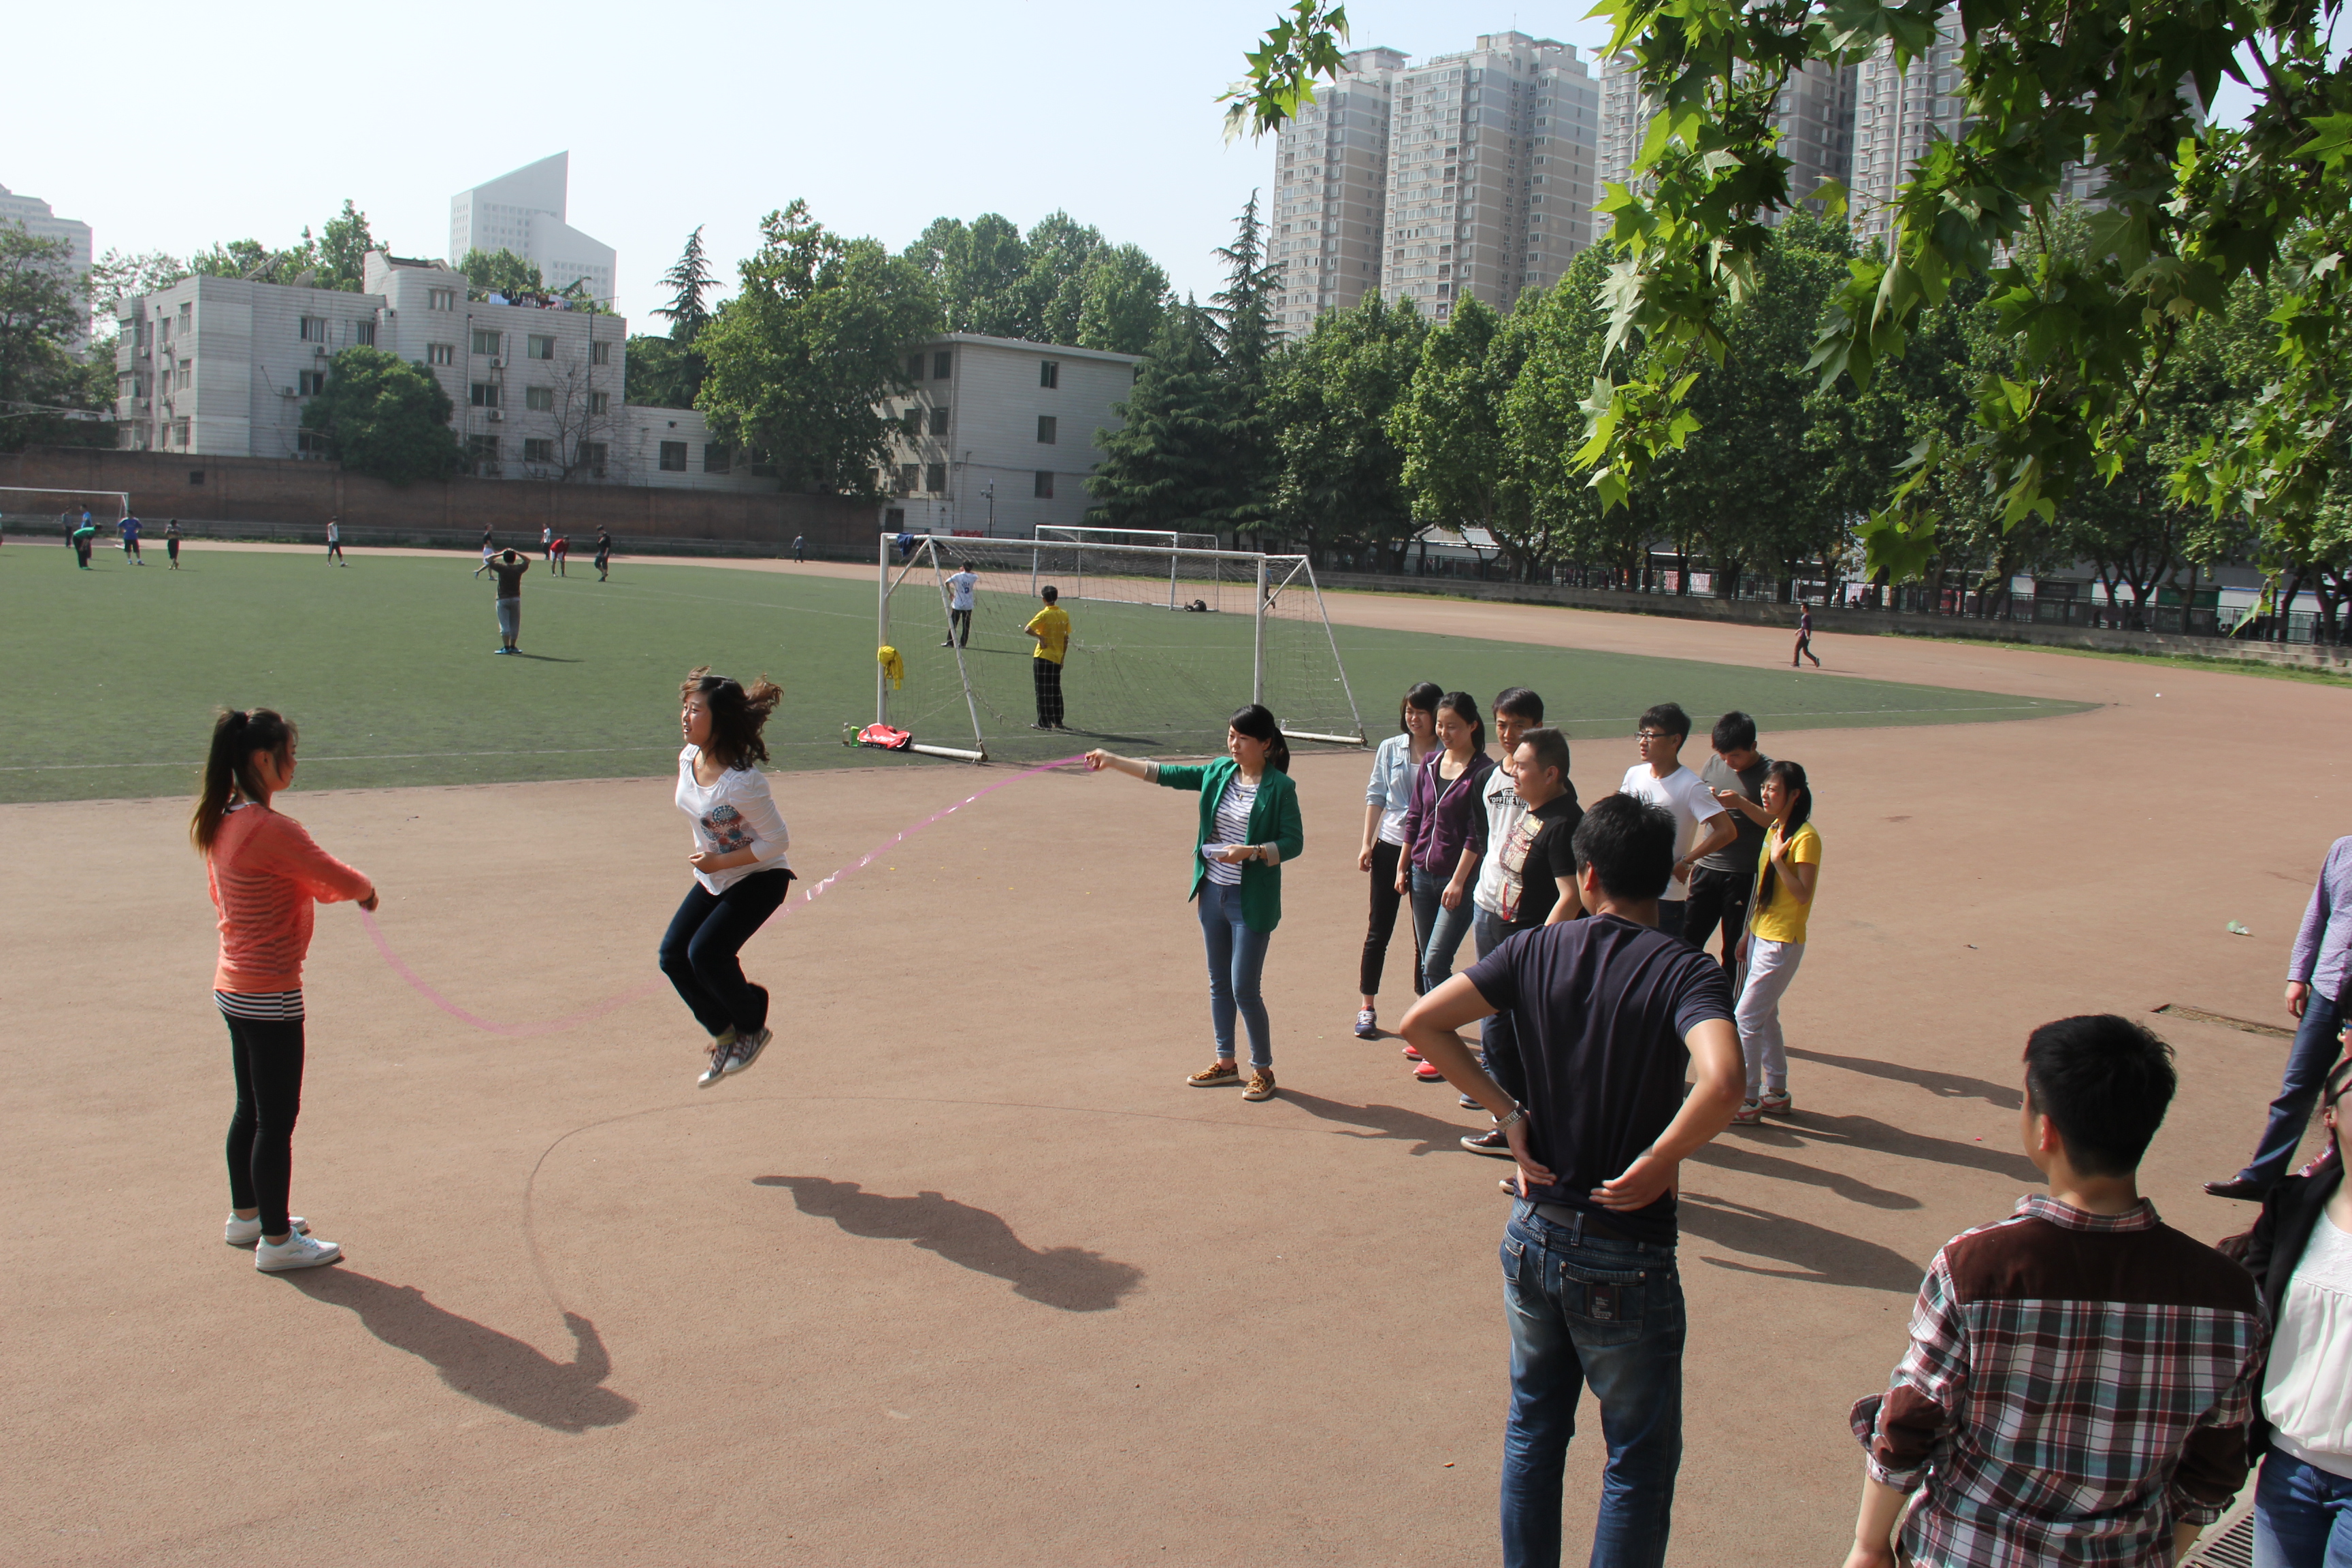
x=387, y=667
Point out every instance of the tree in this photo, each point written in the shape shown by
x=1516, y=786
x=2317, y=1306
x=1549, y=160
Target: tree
x=385, y=417
x=116, y=276
x=1061, y=283
x=1242, y=313
x=337, y=258
x=1449, y=424
x=343, y=249
x=237, y=258
x=663, y=373
x=800, y=360
x=981, y=272
x=501, y=272
x=45, y=391
x=1061, y=252
x=1125, y=297
x=1542, y=419
x=688, y=279
x=1338, y=471
x=1170, y=464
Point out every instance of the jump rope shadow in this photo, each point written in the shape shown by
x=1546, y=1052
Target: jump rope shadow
x=1425, y=1133
x=480, y=1361
x=1068, y=1277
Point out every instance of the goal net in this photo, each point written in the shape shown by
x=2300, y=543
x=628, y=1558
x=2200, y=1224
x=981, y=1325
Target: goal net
x=58, y=513
x=1166, y=640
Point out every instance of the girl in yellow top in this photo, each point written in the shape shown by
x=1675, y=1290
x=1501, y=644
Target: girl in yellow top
x=1788, y=874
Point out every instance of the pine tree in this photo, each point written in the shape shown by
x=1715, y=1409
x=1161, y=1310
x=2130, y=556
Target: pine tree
x=1244, y=308
x=688, y=280
x=1243, y=311
x=1166, y=467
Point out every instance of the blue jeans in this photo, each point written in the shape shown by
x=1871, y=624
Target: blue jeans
x=2303, y=1515
x=1587, y=1309
x=2307, y=1060
x=1439, y=929
x=1498, y=1037
x=1236, y=959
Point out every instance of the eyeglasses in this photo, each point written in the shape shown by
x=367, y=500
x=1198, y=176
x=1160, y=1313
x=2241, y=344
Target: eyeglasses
x=1654, y=734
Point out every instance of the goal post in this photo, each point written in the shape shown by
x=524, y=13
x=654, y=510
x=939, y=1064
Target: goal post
x=1167, y=639
x=22, y=506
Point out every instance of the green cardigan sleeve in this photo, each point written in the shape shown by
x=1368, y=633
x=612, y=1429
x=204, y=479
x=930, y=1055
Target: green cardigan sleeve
x=1175, y=775
x=1289, y=830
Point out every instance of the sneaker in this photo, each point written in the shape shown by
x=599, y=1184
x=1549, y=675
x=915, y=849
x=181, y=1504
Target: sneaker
x=297, y=1251
x=1468, y=1103
x=248, y=1232
x=1749, y=1113
x=1411, y=1055
x=1261, y=1084
x=1223, y=1071
x=1367, y=1027
x=747, y=1048
x=1428, y=1074
x=1776, y=1102
x=721, y=1042
x=1491, y=1141
x=717, y=1069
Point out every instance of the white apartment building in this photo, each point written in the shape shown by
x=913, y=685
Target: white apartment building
x=1481, y=199
x=39, y=220
x=524, y=211
x=1814, y=117
x=1896, y=114
x=999, y=434
x=1327, y=228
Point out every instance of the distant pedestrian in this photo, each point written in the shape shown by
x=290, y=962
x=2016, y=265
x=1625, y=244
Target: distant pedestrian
x=335, y=542
x=130, y=528
x=488, y=547
x=1722, y=880
x=82, y=540
x=1050, y=627
x=559, y=553
x=603, y=554
x=1387, y=795
x=507, y=569
x=547, y=542
x=800, y=548
x=1805, y=649
x=1788, y=877
x=961, y=588
x=171, y=537
x=66, y=522
x=1661, y=779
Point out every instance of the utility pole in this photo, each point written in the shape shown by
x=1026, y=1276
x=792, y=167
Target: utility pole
x=991, y=509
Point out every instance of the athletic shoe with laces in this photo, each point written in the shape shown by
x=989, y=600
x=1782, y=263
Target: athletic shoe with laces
x=1367, y=1027
x=297, y=1251
x=1222, y=1071
x=1261, y=1084
x=1491, y=1141
x=747, y=1048
x=716, y=1070
x=1749, y=1113
x=248, y=1232
x=1468, y=1103
x=1776, y=1102
x=1428, y=1074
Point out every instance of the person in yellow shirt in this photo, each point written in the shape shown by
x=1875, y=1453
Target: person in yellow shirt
x=1050, y=627
x=1787, y=874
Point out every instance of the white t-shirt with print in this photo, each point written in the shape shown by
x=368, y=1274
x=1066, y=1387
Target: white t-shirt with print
x=961, y=585
x=1682, y=794
x=736, y=813
x=1505, y=810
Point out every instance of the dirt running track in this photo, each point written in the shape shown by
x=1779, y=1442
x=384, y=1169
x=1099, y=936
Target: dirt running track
x=962, y=1273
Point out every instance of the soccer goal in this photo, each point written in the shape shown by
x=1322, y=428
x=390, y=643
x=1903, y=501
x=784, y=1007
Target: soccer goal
x=28, y=511
x=1150, y=666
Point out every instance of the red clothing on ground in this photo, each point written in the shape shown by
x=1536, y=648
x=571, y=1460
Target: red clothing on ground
x=264, y=872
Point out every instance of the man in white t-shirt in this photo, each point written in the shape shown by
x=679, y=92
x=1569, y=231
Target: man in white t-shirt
x=1701, y=824
x=960, y=591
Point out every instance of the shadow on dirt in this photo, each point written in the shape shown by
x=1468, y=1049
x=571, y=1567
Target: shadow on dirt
x=478, y=1362
x=1427, y=1132
x=1069, y=1278
x=1818, y=1256
x=1946, y=1085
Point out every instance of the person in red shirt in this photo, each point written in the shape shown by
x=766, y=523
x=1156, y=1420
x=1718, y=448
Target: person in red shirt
x=264, y=873
x=559, y=553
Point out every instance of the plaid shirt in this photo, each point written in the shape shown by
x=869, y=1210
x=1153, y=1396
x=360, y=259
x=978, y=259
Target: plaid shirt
x=2076, y=1384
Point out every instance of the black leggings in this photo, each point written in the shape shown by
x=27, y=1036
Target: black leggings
x=699, y=950
x=266, y=1056
x=1385, y=902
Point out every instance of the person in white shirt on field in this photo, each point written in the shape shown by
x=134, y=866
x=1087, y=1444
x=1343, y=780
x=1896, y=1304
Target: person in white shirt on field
x=961, y=588
x=1701, y=824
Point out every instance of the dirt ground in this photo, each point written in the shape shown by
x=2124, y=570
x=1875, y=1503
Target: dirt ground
x=961, y=1272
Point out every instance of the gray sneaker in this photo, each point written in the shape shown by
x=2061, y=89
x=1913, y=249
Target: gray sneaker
x=747, y=1048
x=297, y=1251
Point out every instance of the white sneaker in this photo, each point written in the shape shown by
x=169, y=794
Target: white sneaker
x=747, y=1048
x=248, y=1232
x=297, y=1251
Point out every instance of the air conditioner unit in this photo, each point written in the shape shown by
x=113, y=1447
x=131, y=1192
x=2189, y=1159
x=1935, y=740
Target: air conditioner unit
x=497, y=363
x=320, y=350
x=287, y=391
x=495, y=414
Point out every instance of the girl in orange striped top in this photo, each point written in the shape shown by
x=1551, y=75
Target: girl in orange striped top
x=264, y=873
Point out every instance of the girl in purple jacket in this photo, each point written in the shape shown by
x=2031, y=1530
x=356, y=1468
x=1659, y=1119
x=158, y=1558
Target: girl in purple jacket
x=1446, y=835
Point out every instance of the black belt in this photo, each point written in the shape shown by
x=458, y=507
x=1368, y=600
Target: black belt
x=1593, y=1224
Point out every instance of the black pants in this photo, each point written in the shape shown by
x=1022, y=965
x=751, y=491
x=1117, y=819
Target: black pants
x=266, y=1057
x=960, y=627
x=1048, y=676
x=698, y=952
x=1386, y=900
x=1718, y=897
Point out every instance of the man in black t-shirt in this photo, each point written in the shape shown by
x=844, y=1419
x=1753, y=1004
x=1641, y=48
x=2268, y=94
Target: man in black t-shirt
x=1721, y=882
x=508, y=568
x=1610, y=1013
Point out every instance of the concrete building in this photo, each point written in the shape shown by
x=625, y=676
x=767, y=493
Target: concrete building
x=1326, y=231
x=1814, y=118
x=524, y=211
x=1626, y=112
x=1000, y=434
x=1481, y=199
x=1896, y=114
x=36, y=218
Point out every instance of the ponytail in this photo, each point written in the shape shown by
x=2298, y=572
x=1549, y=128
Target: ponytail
x=237, y=734
x=1793, y=779
x=1256, y=722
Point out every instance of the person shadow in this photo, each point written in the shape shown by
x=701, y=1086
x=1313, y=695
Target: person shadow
x=1817, y=1255
x=477, y=1360
x=1427, y=1133
x=1068, y=1277
x=1946, y=1084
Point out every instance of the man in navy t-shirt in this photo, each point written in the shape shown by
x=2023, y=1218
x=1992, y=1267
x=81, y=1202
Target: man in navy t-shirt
x=1610, y=1014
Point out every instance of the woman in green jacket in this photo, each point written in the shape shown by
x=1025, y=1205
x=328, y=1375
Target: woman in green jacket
x=1249, y=827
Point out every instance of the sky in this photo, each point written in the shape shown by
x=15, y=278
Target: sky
x=712, y=115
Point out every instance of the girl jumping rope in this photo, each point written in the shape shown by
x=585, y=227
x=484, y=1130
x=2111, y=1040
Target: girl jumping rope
x=264, y=873
x=740, y=873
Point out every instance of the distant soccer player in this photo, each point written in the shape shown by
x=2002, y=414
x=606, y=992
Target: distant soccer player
x=800, y=550
x=547, y=542
x=130, y=528
x=1050, y=627
x=507, y=568
x=171, y=537
x=603, y=554
x=489, y=547
x=559, y=554
x=335, y=542
x=959, y=591
x=81, y=540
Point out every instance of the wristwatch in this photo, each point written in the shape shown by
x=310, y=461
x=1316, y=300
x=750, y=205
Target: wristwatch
x=1518, y=1113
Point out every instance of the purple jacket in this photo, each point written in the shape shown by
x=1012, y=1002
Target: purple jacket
x=1446, y=819
x=2323, y=945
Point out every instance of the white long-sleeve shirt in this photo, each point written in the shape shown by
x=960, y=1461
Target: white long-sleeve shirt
x=736, y=813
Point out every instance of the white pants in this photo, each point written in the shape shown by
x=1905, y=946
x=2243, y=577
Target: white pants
x=1770, y=966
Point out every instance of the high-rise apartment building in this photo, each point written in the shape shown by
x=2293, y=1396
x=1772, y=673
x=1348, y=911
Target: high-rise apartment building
x=522, y=211
x=1324, y=233
x=1814, y=119
x=1897, y=113
x=1482, y=199
x=37, y=219
x=1624, y=118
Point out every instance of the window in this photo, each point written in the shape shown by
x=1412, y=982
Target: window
x=314, y=328
x=538, y=449
x=715, y=458
x=1045, y=426
x=440, y=353
x=908, y=474
x=481, y=450
x=914, y=420
x=939, y=421
x=187, y=316
x=310, y=443
x=310, y=382
x=181, y=376
x=441, y=299
x=486, y=342
x=942, y=363
x=895, y=519
x=1044, y=491
x=539, y=399
x=763, y=467
x=601, y=352
x=914, y=367
x=591, y=457
x=1049, y=374
x=364, y=332
x=485, y=394
x=599, y=402
x=673, y=456
x=538, y=346
x=935, y=476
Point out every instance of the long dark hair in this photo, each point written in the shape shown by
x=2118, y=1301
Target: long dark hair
x=737, y=713
x=1465, y=707
x=238, y=733
x=1793, y=779
x=1256, y=722
x=1425, y=695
